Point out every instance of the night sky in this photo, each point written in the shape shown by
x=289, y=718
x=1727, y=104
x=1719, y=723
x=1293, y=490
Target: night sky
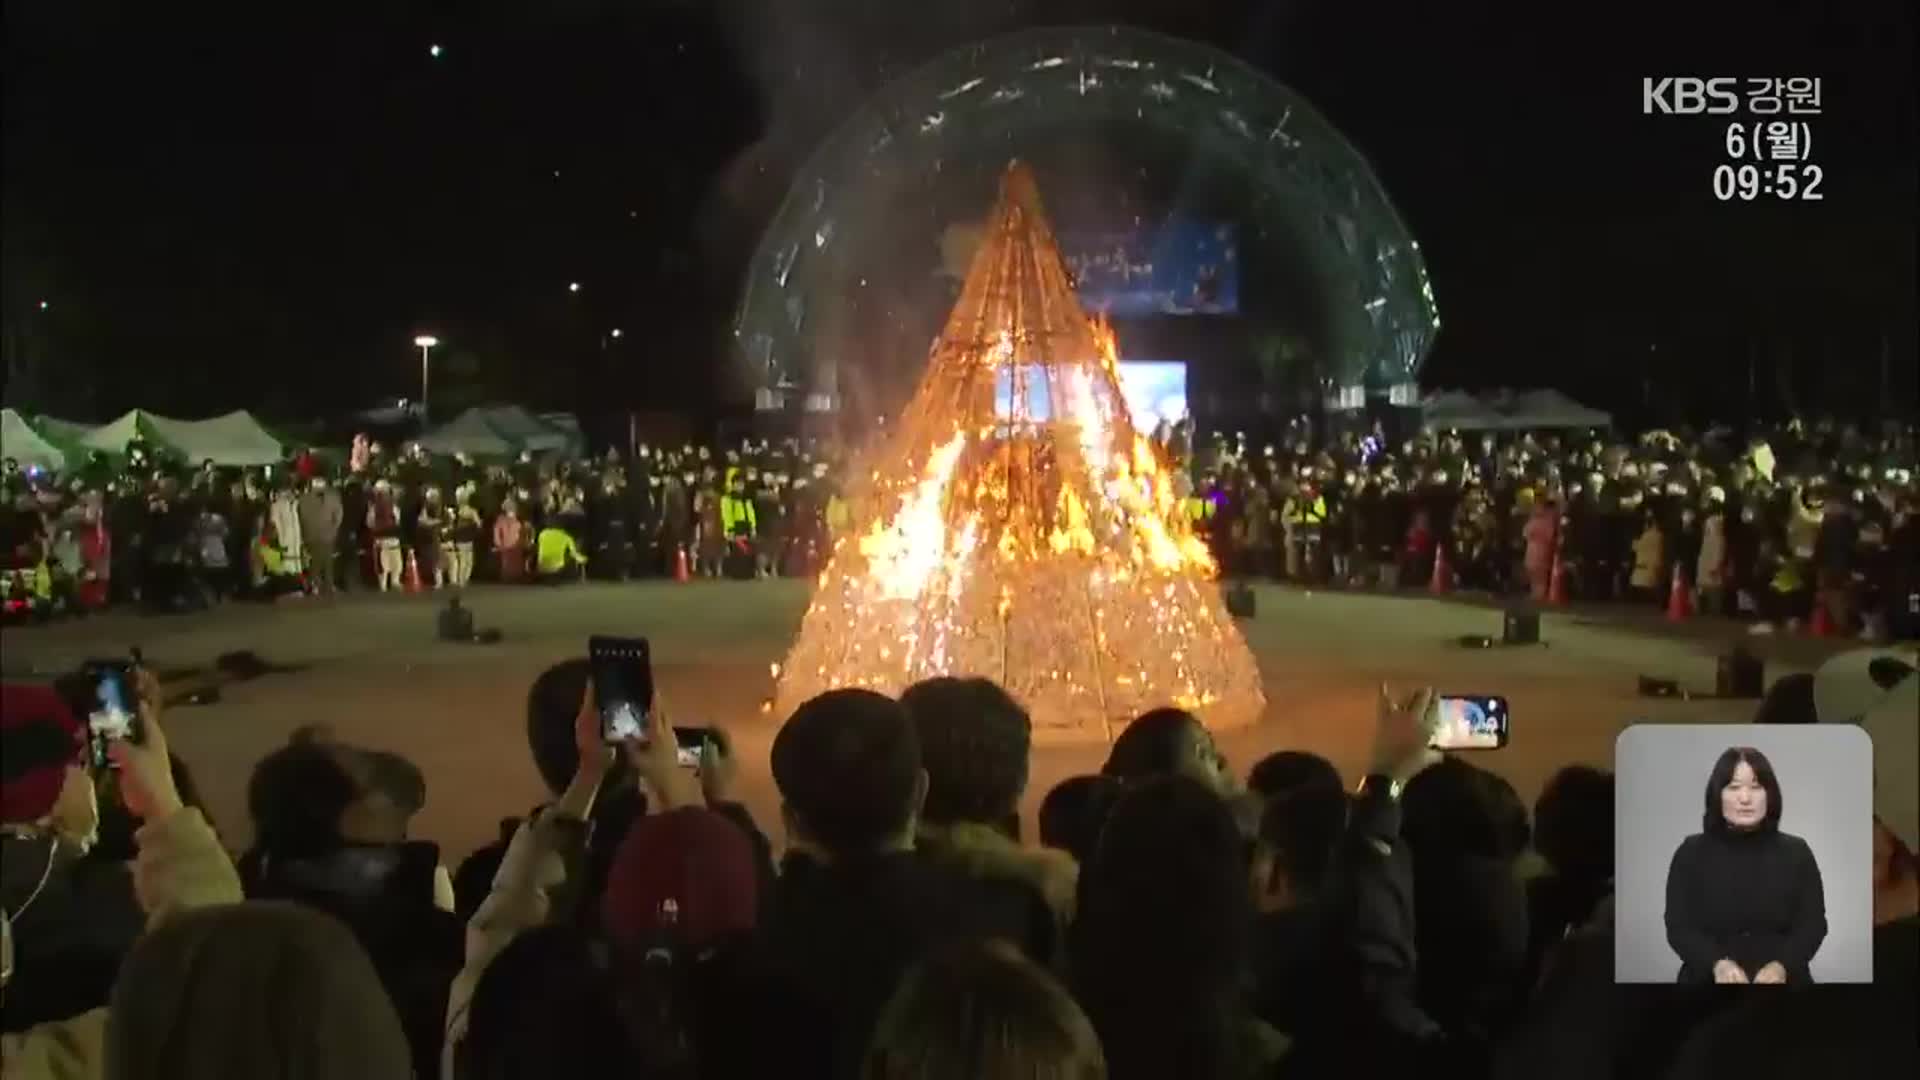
x=220, y=207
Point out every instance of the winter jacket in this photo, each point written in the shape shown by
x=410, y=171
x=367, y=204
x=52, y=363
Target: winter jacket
x=70, y=940
x=180, y=867
x=321, y=515
x=537, y=879
x=1711, y=572
x=1649, y=558
x=392, y=896
x=508, y=533
x=983, y=853
x=836, y=939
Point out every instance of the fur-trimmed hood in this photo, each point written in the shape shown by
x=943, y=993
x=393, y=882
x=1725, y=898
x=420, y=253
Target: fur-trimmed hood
x=982, y=851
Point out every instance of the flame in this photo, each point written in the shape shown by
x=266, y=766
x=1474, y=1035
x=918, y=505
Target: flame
x=1049, y=552
x=903, y=554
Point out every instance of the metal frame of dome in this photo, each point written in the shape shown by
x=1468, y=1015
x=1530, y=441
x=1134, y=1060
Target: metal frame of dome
x=1309, y=177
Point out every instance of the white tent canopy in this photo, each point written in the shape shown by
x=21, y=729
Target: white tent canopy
x=233, y=439
x=469, y=433
x=523, y=428
x=1457, y=410
x=19, y=441
x=1551, y=409
x=67, y=430
x=112, y=437
x=1508, y=410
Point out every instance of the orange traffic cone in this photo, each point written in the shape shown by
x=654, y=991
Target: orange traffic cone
x=1822, y=623
x=680, y=572
x=413, y=572
x=1557, y=583
x=1679, y=604
x=1442, y=571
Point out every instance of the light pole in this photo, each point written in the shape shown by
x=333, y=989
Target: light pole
x=426, y=342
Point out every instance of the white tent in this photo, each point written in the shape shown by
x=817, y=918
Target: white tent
x=1545, y=410
x=19, y=441
x=65, y=430
x=112, y=437
x=469, y=433
x=233, y=439
x=1457, y=410
x=523, y=428
x=1508, y=410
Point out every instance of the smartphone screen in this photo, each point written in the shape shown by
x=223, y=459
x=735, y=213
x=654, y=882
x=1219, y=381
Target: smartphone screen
x=623, y=685
x=1471, y=722
x=690, y=740
x=112, y=713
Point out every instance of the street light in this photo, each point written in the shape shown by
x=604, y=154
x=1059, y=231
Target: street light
x=426, y=342
x=615, y=332
x=573, y=286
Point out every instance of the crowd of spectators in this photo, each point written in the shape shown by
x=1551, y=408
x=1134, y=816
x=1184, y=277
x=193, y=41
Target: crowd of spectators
x=1173, y=917
x=1788, y=527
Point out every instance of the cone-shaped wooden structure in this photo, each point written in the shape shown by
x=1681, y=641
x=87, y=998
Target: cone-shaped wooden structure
x=1015, y=526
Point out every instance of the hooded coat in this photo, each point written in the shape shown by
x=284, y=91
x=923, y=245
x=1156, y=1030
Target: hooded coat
x=180, y=867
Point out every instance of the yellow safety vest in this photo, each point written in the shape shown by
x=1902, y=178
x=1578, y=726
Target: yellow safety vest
x=556, y=546
x=736, y=510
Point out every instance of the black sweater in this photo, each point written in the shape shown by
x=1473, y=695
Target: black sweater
x=1750, y=897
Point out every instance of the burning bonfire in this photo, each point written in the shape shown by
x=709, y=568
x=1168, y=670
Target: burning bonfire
x=1015, y=526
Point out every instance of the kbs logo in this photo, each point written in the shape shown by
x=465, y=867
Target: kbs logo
x=1688, y=96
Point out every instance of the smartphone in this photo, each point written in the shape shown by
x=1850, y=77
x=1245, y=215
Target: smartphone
x=690, y=740
x=1471, y=722
x=112, y=713
x=623, y=685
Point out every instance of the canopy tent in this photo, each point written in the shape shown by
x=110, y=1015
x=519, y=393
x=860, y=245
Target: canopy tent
x=233, y=439
x=19, y=441
x=568, y=425
x=529, y=432
x=1508, y=410
x=66, y=431
x=112, y=437
x=1457, y=410
x=1553, y=410
x=469, y=433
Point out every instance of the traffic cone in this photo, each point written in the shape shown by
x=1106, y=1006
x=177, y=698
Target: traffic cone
x=680, y=572
x=1679, y=605
x=1557, y=583
x=1822, y=623
x=1442, y=571
x=413, y=572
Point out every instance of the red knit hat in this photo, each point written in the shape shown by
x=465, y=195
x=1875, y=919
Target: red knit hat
x=685, y=877
x=39, y=738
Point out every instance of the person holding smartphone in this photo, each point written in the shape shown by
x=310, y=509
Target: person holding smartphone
x=541, y=875
x=70, y=919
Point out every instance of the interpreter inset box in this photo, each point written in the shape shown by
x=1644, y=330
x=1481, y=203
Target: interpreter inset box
x=1743, y=854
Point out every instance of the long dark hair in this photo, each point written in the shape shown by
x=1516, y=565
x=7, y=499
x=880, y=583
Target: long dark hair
x=1158, y=949
x=1714, y=821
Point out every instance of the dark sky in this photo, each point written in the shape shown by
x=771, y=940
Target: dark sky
x=222, y=207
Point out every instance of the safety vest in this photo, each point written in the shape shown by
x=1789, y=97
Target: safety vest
x=556, y=547
x=736, y=512
x=1199, y=508
x=1302, y=512
x=1787, y=578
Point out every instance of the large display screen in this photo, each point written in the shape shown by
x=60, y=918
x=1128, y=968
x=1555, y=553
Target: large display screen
x=1154, y=390
x=1178, y=268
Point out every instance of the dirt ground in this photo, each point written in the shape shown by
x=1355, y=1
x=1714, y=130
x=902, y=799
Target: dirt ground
x=370, y=667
